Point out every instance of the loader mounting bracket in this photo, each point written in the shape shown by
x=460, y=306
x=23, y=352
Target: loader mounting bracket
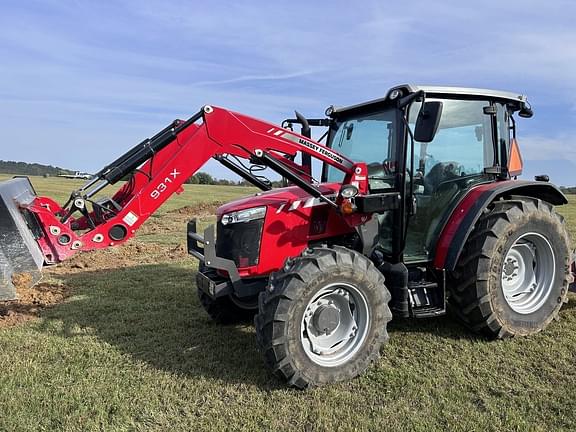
x=210, y=281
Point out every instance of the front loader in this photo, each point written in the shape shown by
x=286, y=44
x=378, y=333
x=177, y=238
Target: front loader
x=417, y=210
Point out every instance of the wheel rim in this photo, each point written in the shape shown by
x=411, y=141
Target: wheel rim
x=528, y=273
x=335, y=324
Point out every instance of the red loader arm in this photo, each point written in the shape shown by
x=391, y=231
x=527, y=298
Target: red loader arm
x=159, y=166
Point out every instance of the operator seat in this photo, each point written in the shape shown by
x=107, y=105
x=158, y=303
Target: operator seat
x=438, y=174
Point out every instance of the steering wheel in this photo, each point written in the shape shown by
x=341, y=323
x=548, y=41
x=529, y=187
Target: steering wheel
x=441, y=173
x=456, y=180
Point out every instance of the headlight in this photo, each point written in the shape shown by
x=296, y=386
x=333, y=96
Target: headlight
x=245, y=215
x=348, y=191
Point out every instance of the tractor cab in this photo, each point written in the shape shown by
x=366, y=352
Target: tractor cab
x=463, y=139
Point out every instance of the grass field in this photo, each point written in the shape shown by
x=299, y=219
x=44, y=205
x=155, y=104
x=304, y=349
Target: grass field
x=131, y=349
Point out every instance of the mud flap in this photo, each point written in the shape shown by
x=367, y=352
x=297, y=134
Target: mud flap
x=21, y=258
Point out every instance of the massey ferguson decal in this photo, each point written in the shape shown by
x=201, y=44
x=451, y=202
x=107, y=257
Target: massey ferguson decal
x=325, y=151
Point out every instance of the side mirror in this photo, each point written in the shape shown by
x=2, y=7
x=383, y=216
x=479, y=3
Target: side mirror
x=526, y=111
x=427, y=121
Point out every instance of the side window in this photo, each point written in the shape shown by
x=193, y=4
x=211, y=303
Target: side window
x=462, y=146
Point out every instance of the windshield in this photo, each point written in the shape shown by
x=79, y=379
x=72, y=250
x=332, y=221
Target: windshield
x=369, y=138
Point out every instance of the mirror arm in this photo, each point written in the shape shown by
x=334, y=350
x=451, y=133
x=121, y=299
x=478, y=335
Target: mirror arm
x=419, y=95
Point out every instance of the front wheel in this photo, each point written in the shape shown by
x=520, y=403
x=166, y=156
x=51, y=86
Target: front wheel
x=323, y=317
x=513, y=274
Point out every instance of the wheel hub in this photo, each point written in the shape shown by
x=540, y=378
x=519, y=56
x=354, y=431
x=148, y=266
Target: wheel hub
x=326, y=319
x=510, y=268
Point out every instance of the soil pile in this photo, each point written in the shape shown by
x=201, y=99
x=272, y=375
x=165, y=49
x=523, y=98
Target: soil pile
x=30, y=302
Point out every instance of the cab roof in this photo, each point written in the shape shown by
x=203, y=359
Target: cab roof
x=436, y=91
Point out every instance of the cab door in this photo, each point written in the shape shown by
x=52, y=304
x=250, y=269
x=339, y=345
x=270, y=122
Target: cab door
x=372, y=136
x=446, y=168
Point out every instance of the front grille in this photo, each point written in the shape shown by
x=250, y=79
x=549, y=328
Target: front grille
x=240, y=242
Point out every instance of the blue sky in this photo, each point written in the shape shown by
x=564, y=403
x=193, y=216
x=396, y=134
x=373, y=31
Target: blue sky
x=82, y=81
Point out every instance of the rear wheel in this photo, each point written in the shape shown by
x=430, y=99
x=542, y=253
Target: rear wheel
x=512, y=276
x=228, y=309
x=323, y=317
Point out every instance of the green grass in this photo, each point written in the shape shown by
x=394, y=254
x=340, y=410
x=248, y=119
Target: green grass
x=132, y=349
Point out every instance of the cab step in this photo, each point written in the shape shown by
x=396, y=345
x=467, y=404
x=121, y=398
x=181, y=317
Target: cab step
x=426, y=299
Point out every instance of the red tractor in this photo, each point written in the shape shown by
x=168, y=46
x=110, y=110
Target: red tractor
x=418, y=208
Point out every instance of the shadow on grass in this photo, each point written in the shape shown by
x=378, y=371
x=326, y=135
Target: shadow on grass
x=448, y=326
x=151, y=313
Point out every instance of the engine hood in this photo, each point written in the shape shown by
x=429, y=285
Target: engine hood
x=275, y=198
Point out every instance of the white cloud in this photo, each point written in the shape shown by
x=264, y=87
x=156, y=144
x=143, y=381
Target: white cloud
x=554, y=147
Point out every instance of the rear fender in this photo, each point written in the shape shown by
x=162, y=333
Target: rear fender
x=467, y=212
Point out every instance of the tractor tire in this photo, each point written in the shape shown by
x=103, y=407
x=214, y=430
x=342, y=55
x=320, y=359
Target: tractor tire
x=512, y=276
x=323, y=317
x=228, y=309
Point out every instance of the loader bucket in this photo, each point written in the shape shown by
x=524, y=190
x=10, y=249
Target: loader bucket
x=21, y=258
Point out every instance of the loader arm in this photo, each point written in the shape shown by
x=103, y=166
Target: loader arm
x=157, y=168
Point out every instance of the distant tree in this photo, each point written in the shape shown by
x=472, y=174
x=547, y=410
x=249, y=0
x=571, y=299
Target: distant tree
x=204, y=178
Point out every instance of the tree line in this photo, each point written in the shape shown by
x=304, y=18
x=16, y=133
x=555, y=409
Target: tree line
x=34, y=169
x=568, y=190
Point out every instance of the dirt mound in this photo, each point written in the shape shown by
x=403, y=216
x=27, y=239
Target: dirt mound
x=200, y=209
x=130, y=254
x=30, y=302
x=176, y=220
